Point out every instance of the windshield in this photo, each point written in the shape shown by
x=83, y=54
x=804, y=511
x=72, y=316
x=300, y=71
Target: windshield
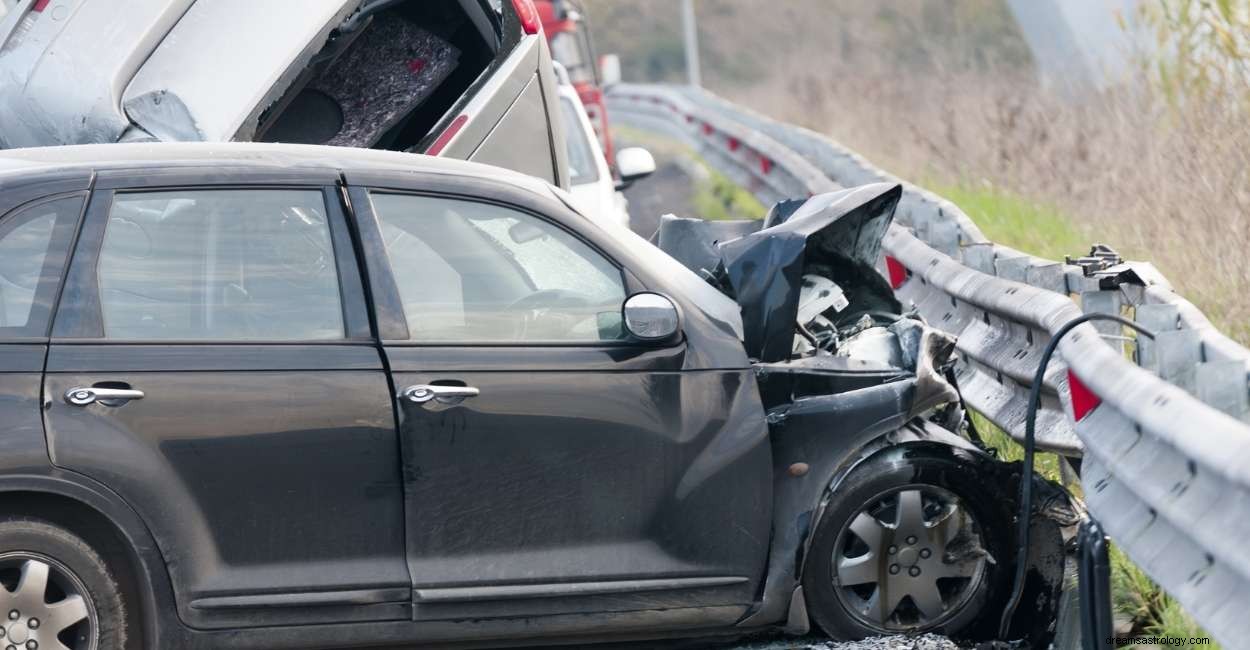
x=582, y=167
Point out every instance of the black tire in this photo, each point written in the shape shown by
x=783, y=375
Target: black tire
x=74, y=569
x=937, y=475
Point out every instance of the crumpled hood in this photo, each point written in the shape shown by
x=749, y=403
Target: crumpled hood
x=761, y=264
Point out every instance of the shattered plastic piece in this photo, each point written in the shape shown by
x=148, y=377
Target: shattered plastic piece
x=818, y=294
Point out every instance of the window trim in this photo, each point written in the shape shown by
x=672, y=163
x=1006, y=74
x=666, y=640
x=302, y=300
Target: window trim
x=55, y=265
x=79, y=317
x=388, y=304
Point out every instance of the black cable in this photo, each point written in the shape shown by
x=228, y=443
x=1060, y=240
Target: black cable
x=1026, y=478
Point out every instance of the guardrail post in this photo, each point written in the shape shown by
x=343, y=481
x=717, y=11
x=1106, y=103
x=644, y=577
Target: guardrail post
x=979, y=256
x=1157, y=319
x=1011, y=267
x=1106, y=302
x=1222, y=384
x=1049, y=276
x=1177, y=355
x=944, y=237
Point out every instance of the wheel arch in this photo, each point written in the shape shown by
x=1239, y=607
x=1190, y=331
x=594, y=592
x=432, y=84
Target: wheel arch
x=113, y=529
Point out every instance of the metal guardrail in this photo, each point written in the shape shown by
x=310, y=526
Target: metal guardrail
x=1161, y=425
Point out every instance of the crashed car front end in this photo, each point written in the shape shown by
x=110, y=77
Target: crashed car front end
x=848, y=375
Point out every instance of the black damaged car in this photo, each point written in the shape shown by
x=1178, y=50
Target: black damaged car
x=282, y=396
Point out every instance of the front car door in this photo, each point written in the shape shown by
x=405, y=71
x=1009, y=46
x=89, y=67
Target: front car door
x=554, y=466
x=212, y=362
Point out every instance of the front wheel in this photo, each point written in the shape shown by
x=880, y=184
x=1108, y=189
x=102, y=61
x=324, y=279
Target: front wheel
x=909, y=543
x=56, y=593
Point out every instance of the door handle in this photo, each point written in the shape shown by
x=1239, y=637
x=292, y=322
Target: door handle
x=425, y=393
x=83, y=396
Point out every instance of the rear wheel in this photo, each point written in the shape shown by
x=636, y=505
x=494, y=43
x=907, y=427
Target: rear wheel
x=907, y=544
x=56, y=593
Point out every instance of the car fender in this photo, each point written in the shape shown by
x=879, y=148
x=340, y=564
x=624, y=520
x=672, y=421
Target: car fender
x=817, y=441
x=155, y=599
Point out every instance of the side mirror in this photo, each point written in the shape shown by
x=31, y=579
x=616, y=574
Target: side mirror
x=650, y=316
x=633, y=163
x=609, y=70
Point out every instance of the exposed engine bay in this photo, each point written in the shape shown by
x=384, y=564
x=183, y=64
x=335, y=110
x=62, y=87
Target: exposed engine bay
x=815, y=310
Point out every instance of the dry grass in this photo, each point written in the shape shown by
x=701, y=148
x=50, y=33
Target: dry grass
x=942, y=92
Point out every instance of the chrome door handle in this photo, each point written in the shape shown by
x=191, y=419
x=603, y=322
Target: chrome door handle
x=424, y=393
x=82, y=396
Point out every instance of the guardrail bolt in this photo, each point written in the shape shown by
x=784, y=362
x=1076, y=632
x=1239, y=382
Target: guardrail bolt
x=894, y=569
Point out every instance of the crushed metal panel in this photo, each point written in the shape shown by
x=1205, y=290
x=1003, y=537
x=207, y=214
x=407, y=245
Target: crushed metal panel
x=63, y=74
x=226, y=61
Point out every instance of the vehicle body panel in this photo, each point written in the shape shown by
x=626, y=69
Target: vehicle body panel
x=206, y=457
x=594, y=188
x=177, y=79
x=533, y=489
x=616, y=491
x=42, y=106
x=280, y=37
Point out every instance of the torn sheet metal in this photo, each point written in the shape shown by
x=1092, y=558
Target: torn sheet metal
x=835, y=235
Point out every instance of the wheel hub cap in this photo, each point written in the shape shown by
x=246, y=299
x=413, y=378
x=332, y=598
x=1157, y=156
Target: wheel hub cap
x=909, y=559
x=17, y=633
x=28, y=621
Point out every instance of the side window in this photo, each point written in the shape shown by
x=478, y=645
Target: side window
x=219, y=265
x=33, y=248
x=476, y=272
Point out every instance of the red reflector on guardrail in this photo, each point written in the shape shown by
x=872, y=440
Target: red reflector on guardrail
x=898, y=272
x=1083, y=399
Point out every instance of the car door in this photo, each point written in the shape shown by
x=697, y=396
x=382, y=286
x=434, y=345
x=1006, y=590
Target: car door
x=212, y=363
x=553, y=465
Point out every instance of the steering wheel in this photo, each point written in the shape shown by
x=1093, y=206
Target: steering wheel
x=538, y=306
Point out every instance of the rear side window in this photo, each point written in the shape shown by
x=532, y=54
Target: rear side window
x=478, y=272
x=219, y=265
x=33, y=247
x=582, y=167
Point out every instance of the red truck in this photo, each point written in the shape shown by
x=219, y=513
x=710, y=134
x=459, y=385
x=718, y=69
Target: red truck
x=568, y=33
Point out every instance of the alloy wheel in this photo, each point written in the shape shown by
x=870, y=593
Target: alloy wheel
x=911, y=558
x=43, y=605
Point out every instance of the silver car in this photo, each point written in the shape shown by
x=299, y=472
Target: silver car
x=468, y=79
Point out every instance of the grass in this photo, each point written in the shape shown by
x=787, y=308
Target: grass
x=718, y=198
x=1047, y=465
x=1015, y=221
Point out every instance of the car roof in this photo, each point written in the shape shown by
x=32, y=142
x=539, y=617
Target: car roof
x=103, y=157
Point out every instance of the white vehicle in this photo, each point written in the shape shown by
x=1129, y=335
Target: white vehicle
x=591, y=181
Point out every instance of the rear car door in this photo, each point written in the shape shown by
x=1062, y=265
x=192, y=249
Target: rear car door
x=212, y=362
x=553, y=465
